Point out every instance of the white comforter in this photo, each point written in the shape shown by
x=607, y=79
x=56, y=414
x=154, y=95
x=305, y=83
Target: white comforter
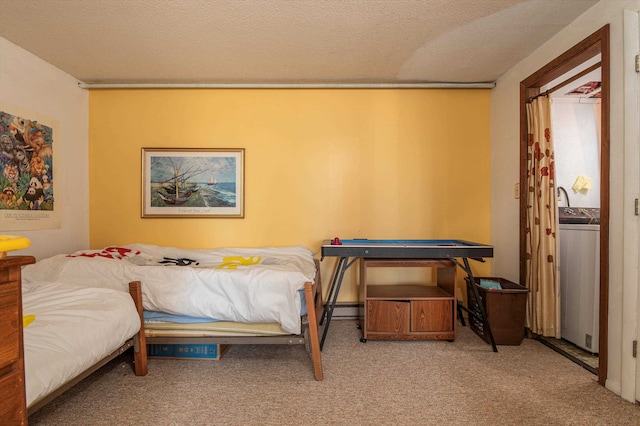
x=232, y=284
x=72, y=328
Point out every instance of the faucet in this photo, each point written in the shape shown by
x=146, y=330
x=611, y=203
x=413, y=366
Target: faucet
x=566, y=196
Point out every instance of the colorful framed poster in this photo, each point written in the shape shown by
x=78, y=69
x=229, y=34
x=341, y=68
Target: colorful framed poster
x=28, y=200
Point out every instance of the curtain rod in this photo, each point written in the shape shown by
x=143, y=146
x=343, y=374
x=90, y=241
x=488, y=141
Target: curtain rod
x=530, y=99
x=286, y=86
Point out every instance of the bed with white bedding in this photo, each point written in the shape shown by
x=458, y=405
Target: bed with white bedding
x=254, y=294
x=71, y=331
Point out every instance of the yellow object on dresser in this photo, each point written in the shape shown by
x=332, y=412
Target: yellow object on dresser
x=12, y=242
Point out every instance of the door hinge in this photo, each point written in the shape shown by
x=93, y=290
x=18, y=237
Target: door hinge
x=635, y=348
x=636, y=208
x=637, y=63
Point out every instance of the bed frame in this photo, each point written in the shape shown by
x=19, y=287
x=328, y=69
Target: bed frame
x=308, y=336
x=137, y=342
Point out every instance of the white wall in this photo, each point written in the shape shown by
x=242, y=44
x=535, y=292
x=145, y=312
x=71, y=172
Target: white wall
x=30, y=84
x=505, y=168
x=576, y=138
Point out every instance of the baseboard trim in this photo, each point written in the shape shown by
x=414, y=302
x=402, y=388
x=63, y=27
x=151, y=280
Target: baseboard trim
x=346, y=311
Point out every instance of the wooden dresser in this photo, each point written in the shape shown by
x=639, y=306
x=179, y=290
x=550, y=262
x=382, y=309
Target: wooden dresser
x=13, y=406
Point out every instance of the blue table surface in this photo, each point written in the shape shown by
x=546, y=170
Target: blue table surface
x=432, y=243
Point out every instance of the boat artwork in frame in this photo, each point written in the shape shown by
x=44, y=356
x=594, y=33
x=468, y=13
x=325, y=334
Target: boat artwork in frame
x=193, y=182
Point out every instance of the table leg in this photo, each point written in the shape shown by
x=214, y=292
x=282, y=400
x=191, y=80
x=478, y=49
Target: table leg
x=459, y=309
x=483, y=313
x=332, y=288
x=332, y=297
x=485, y=320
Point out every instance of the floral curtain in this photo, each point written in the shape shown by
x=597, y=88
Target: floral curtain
x=543, y=303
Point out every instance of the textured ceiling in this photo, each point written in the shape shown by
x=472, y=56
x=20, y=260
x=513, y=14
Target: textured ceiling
x=284, y=41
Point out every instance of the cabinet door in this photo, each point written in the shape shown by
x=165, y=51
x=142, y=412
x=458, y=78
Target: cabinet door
x=9, y=323
x=432, y=315
x=12, y=409
x=388, y=316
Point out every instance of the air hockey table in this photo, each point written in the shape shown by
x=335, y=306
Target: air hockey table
x=348, y=251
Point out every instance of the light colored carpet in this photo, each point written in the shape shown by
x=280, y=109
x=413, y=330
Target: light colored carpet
x=378, y=382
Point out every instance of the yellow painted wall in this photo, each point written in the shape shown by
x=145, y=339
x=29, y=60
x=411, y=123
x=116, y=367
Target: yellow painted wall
x=348, y=163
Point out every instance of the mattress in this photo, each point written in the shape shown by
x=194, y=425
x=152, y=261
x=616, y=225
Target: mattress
x=260, y=285
x=70, y=328
x=212, y=329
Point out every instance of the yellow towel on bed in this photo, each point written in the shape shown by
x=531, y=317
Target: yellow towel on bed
x=27, y=319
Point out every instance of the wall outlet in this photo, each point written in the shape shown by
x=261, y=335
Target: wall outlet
x=516, y=191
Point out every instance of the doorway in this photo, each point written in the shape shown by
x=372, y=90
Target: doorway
x=595, y=44
x=575, y=121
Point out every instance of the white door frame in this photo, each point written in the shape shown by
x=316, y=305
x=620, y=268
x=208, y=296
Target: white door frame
x=630, y=389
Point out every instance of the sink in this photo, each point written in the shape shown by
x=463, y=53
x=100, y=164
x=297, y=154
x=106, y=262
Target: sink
x=579, y=215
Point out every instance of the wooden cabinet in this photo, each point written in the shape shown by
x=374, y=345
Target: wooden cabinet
x=13, y=409
x=409, y=312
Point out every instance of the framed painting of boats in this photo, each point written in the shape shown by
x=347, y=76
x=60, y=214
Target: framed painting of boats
x=193, y=182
